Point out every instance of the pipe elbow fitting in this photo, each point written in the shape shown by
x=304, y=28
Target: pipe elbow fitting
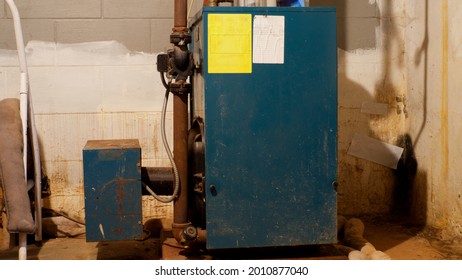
x=181, y=57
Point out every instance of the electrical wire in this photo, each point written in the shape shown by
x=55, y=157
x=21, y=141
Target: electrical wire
x=167, y=149
x=162, y=78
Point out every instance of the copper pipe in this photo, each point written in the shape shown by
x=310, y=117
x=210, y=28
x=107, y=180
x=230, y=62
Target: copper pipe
x=180, y=154
x=180, y=131
x=180, y=16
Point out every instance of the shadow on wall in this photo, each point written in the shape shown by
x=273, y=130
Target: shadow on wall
x=419, y=193
x=408, y=194
x=356, y=22
x=361, y=182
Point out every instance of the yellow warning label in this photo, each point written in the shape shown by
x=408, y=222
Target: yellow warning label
x=229, y=43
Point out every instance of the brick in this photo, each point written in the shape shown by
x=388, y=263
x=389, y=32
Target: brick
x=357, y=33
x=65, y=89
x=131, y=89
x=349, y=8
x=138, y=9
x=58, y=9
x=33, y=29
x=393, y=9
x=38, y=53
x=9, y=58
x=144, y=126
x=3, y=93
x=104, y=53
x=134, y=34
x=12, y=75
x=360, y=9
x=160, y=34
x=196, y=7
x=2, y=9
x=63, y=142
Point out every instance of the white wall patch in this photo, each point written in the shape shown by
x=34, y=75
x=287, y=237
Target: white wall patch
x=268, y=39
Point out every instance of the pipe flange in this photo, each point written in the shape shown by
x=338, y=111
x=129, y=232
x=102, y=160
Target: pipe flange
x=180, y=88
x=180, y=38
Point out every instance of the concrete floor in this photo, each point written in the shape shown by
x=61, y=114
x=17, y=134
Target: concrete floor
x=400, y=242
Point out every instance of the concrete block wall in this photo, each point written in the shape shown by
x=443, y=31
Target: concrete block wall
x=141, y=25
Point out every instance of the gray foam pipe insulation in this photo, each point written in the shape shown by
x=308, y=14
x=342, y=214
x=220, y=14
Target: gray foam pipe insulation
x=18, y=207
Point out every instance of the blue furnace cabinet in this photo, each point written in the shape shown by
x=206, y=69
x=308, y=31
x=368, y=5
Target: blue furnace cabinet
x=112, y=188
x=265, y=89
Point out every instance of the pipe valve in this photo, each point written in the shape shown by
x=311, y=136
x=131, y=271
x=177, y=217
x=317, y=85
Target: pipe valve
x=188, y=235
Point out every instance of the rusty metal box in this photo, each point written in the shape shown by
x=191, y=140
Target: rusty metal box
x=112, y=187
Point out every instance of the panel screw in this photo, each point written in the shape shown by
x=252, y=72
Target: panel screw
x=213, y=190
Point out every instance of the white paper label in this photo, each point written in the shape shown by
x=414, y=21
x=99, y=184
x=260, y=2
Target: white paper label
x=268, y=39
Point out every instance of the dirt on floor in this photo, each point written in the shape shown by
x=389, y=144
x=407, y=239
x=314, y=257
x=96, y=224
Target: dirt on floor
x=404, y=241
x=398, y=240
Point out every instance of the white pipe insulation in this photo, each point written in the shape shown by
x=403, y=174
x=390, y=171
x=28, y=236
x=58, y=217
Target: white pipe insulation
x=27, y=117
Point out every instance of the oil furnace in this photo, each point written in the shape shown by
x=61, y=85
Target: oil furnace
x=257, y=162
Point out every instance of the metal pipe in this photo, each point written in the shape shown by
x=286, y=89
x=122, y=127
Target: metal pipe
x=23, y=93
x=180, y=152
x=22, y=254
x=24, y=77
x=180, y=16
x=158, y=178
x=180, y=130
x=27, y=115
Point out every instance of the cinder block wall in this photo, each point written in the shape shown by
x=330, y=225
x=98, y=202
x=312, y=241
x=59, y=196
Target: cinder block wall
x=141, y=25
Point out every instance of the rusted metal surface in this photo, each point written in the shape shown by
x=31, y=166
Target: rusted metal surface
x=180, y=124
x=180, y=17
x=112, y=144
x=180, y=135
x=112, y=186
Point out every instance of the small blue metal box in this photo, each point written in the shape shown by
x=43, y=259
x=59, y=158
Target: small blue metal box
x=112, y=187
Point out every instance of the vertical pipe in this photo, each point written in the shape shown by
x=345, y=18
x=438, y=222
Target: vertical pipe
x=180, y=13
x=23, y=93
x=37, y=173
x=180, y=131
x=23, y=100
x=22, y=254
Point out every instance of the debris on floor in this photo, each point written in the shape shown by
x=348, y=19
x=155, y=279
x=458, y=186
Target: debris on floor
x=397, y=241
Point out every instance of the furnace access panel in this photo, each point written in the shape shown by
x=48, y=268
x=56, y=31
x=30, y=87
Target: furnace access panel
x=266, y=87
